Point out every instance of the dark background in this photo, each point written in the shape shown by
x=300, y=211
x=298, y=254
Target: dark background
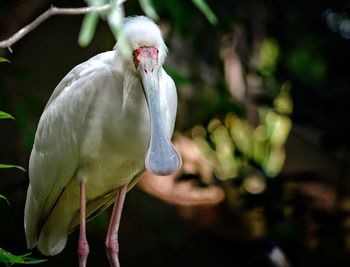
x=311, y=224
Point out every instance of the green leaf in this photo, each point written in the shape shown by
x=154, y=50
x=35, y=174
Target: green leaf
x=7, y=166
x=88, y=28
x=148, y=7
x=268, y=57
x=10, y=259
x=115, y=21
x=4, y=115
x=203, y=6
x=2, y=59
x=5, y=198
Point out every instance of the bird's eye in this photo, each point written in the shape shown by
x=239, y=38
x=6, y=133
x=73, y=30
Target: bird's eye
x=157, y=51
x=133, y=53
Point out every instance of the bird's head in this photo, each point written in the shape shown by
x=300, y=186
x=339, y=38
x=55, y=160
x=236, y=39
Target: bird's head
x=146, y=43
x=149, y=52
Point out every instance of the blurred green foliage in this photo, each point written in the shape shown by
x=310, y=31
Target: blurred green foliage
x=148, y=9
x=268, y=58
x=116, y=14
x=235, y=146
x=4, y=198
x=2, y=59
x=9, y=259
x=4, y=115
x=6, y=257
x=8, y=166
x=202, y=6
x=307, y=64
x=89, y=23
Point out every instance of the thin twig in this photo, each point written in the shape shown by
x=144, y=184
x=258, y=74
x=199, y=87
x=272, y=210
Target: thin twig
x=52, y=11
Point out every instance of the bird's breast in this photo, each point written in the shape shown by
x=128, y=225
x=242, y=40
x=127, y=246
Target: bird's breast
x=117, y=138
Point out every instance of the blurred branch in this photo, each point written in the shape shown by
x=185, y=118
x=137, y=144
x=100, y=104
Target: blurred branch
x=52, y=11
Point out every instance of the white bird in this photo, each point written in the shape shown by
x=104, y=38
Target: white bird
x=110, y=119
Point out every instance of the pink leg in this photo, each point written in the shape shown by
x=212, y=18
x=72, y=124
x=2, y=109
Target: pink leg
x=112, y=245
x=83, y=249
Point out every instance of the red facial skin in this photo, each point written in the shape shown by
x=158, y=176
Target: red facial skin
x=150, y=52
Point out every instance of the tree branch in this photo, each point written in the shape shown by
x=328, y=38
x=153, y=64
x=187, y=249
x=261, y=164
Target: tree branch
x=52, y=11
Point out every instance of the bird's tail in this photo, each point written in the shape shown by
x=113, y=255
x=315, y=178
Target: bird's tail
x=51, y=238
x=31, y=216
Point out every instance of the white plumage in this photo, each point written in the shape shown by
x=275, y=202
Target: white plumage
x=95, y=130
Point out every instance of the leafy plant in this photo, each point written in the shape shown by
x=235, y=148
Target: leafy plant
x=7, y=166
x=116, y=14
x=4, y=198
x=9, y=259
x=2, y=59
x=235, y=146
x=6, y=257
x=4, y=115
